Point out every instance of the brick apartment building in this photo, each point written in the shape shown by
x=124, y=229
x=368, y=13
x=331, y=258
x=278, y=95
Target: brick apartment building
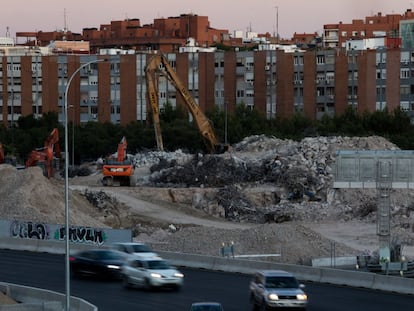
x=165, y=34
x=269, y=79
x=335, y=35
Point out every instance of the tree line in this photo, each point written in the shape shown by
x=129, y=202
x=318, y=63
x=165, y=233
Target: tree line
x=93, y=140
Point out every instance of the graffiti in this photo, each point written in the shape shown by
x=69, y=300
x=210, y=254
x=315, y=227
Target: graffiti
x=81, y=235
x=29, y=230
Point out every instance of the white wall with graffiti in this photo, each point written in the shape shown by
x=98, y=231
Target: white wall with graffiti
x=77, y=234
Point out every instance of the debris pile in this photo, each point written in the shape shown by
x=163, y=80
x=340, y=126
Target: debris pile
x=297, y=176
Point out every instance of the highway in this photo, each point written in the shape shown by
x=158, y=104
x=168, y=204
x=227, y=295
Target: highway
x=47, y=271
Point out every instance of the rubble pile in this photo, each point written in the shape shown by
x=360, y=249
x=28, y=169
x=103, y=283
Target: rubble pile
x=296, y=175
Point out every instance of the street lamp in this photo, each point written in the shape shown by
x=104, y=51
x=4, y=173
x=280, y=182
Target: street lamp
x=67, y=276
x=73, y=137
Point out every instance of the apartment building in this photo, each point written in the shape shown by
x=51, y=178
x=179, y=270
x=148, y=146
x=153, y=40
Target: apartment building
x=274, y=82
x=164, y=34
x=379, y=25
x=277, y=80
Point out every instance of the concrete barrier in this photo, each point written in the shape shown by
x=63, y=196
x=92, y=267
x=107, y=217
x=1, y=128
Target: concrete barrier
x=336, y=262
x=304, y=273
x=36, y=299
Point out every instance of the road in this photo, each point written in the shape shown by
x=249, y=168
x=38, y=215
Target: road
x=47, y=271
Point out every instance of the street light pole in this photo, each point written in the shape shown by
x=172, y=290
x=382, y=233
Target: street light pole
x=73, y=138
x=67, y=276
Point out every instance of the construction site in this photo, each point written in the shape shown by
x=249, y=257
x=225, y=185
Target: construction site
x=264, y=196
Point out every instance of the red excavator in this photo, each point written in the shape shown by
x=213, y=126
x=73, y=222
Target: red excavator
x=45, y=157
x=118, y=170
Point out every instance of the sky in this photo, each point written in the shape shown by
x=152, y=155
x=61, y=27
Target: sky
x=261, y=16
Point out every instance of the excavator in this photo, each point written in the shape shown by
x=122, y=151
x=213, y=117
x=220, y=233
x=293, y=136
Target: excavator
x=118, y=170
x=159, y=63
x=45, y=156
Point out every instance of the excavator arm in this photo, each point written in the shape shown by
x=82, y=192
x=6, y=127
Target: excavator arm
x=160, y=62
x=44, y=156
x=122, y=150
x=153, y=100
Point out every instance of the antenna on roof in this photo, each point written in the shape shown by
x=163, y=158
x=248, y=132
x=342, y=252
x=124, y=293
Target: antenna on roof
x=7, y=32
x=65, y=29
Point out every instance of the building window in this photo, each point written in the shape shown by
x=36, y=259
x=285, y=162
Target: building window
x=404, y=73
x=381, y=73
x=405, y=90
x=240, y=93
x=320, y=59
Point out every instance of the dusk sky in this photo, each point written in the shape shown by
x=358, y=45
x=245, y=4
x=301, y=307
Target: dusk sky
x=259, y=15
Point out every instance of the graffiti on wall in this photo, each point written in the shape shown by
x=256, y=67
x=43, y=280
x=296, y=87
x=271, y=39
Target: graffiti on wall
x=82, y=235
x=41, y=231
x=29, y=230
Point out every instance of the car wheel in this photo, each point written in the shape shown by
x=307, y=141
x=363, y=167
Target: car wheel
x=147, y=284
x=253, y=302
x=125, y=282
x=263, y=306
x=74, y=274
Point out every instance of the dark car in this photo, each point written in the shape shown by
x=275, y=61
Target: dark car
x=100, y=263
x=206, y=306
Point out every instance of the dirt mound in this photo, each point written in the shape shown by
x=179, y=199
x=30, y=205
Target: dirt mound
x=30, y=196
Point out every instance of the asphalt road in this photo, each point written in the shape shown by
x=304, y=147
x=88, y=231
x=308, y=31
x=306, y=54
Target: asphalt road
x=48, y=271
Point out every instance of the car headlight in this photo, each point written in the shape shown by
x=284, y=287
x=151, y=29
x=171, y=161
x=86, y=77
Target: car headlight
x=273, y=297
x=113, y=267
x=178, y=275
x=155, y=275
x=301, y=297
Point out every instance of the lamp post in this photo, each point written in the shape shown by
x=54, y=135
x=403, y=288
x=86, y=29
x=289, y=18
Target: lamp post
x=67, y=276
x=73, y=138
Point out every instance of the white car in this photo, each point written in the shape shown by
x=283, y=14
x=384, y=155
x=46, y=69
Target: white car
x=277, y=289
x=151, y=273
x=135, y=249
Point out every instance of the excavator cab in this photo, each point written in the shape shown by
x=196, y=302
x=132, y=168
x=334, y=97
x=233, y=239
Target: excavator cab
x=118, y=170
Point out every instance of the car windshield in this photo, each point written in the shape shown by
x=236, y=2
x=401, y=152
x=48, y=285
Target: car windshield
x=158, y=264
x=281, y=282
x=207, y=308
x=138, y=248
x=107, y=255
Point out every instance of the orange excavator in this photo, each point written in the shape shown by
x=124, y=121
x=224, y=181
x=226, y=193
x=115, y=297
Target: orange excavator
x=45, y=156
x=118, y=170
